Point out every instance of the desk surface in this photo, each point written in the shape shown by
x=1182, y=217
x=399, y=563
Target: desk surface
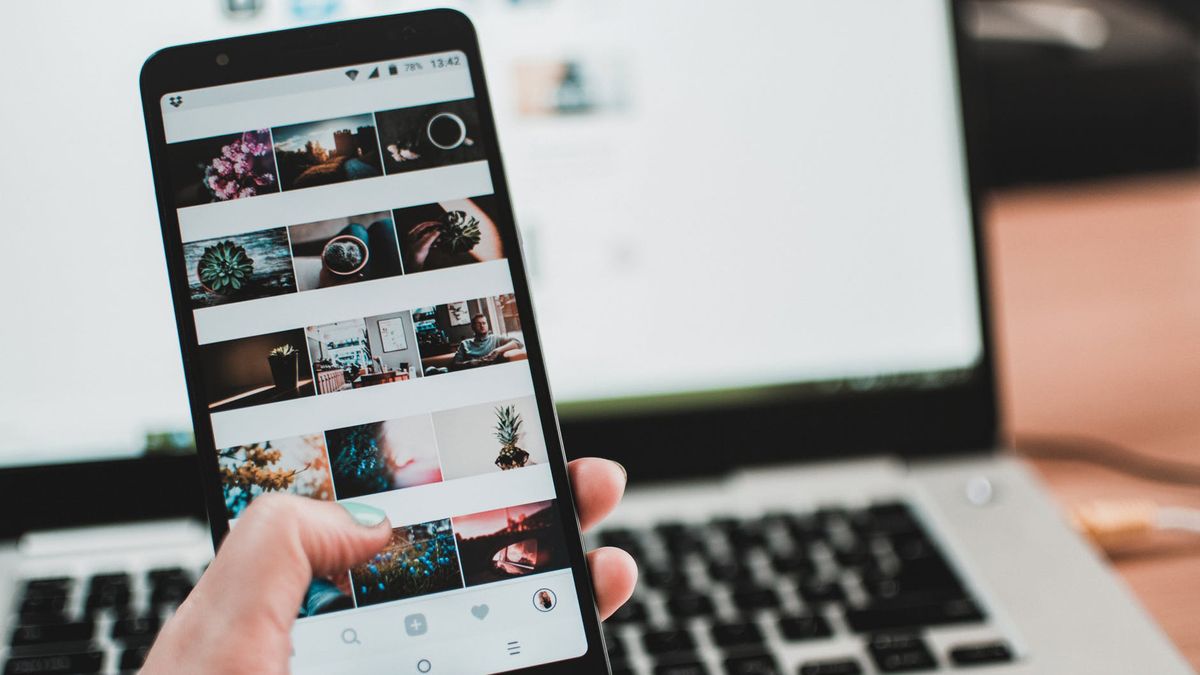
x=1097, y=297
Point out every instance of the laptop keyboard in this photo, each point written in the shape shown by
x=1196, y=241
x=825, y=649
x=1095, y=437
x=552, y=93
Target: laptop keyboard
x=103, y=623
x=861, y=586
x=832, y=592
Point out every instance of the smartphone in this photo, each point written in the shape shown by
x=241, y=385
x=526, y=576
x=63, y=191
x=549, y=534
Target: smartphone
x=355, y=325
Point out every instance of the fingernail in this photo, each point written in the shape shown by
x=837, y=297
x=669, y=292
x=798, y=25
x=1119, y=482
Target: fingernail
x=623, y=471
x=365, y=515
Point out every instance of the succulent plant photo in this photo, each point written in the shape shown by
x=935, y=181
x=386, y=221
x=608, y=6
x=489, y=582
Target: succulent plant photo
x=459, y=232
x=225, y=267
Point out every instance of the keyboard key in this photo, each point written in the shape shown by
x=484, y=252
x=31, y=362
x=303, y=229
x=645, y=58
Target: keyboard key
x=755, y=664
x=736, y=634
x=978, y=654
x=792, y=563
x=893, y=517
x=883, y=616
x=54, y=664
x=742, y=534
x=928, y=575
x=805, y=529
x=729, y=571
x=805, y=627
x=832, y=667
x=817, y=592
x=60, y=585
x=43, y=609
x=62, y=633
x=913, y=547
x=664, y=577
x=615, y=646
x=853, y=554
x=679, y=539
x=755, y=597
x=168, y=573
x=631, y=612
x=681, y=668
x=108, y=591
x=136, y=628
x=900, y=653
x=666, y=641
x=689, y=604
x=171, y=594
x=830, y=517
x=623, y=539
x=133, y=657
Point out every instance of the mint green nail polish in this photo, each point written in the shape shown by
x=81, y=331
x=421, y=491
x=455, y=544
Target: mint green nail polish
x=363, y=514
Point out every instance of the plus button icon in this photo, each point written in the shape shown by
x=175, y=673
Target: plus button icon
x=415, y=624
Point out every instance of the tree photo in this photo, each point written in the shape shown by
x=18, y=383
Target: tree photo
x=296, y=465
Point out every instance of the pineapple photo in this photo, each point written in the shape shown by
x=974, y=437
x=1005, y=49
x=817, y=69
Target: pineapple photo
x=508, y=432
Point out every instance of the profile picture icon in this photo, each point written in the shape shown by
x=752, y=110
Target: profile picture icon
x=545, y=600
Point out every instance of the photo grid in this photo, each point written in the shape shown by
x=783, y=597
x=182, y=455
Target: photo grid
x=458, y=550
x=451, y=553
x=338, y=251
x=355, y=353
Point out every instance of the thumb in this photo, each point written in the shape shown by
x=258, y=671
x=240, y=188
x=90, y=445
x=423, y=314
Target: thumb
x=258, y=579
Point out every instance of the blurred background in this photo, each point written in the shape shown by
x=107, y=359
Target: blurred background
x=1089, y=116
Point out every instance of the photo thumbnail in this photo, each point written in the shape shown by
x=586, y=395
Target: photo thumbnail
x=430, y=136
x=447, y=234
x=469, y=334
x=490, y=437
x=222, y=168
x=358, y=353
x=327, y=594
x=256, y=370
x=383, y=456
x=420, y=559
x=296, y=465
x=325, y=152
x=510, y=542
x=344, y=250
x=239, y=267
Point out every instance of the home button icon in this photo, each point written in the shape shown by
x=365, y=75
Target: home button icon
x=424, y=666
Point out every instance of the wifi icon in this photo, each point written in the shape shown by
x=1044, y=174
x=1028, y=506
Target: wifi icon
x=352, y=74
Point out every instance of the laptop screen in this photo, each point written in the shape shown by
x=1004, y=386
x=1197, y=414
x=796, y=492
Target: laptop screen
x=715, y=199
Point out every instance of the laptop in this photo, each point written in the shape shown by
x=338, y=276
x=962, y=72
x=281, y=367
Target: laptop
x=753, y=239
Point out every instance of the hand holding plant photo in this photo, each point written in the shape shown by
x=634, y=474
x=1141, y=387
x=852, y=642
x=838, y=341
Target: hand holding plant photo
x=459, y=232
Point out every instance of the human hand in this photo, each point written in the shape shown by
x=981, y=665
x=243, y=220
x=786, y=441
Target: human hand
x=421, y=238
x=240, y=615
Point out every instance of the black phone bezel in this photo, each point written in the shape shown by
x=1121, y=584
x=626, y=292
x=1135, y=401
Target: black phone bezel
x=300, y=50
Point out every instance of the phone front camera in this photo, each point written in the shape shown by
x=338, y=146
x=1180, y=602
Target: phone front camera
x=222, y=59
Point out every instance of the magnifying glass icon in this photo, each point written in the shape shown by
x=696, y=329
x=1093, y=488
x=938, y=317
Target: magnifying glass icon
x=350, y=637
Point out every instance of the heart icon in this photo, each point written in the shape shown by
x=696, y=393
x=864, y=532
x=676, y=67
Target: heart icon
x=480, y=611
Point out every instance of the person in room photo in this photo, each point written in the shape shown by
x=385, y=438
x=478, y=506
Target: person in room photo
x=484, y=348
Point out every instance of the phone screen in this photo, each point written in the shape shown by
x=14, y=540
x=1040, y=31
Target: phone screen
x=359, y=338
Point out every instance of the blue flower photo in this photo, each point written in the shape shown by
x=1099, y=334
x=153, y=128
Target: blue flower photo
x=420, y=559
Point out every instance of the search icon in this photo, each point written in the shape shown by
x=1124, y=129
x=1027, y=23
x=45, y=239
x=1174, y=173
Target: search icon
x=350, y=637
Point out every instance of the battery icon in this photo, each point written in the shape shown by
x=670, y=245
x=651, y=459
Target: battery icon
x=392, y=70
